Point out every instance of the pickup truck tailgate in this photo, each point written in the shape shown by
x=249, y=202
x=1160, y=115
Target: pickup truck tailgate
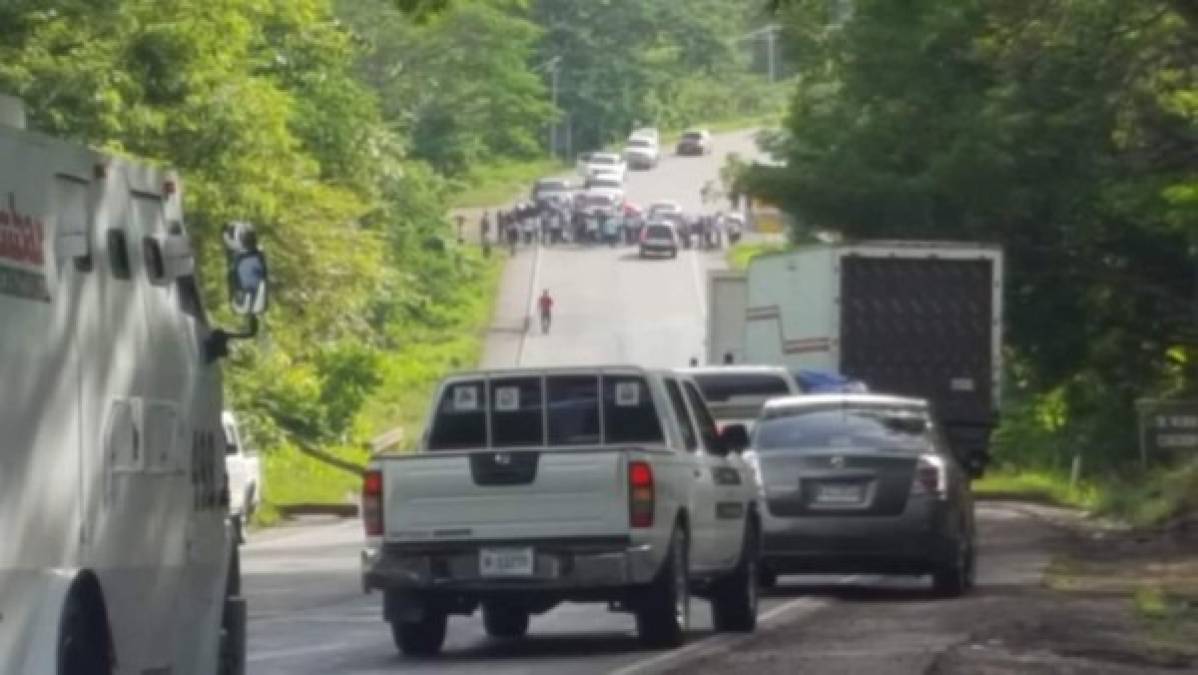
x=490, y=495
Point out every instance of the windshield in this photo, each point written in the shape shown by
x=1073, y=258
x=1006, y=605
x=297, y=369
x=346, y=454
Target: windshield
x=605, y=159
x=862, y=428
x=692, y=136
x=719, y=387
x=639, y=143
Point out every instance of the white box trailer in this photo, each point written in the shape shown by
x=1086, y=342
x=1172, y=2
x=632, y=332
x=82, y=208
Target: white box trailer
x=117, y=556
x=913, y=318
x=727, y=300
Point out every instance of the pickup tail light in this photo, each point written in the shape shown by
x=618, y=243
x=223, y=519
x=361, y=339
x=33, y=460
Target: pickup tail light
x=641, y=498
x=931, y=476
x=372, y=503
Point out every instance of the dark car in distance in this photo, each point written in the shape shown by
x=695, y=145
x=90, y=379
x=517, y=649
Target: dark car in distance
x=861, y=483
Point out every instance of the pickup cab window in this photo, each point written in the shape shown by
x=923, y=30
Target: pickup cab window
x=573, y=409
x=689, y=439
x=629, y=415
x=703, y=418
x=517, y=413
x=461, y=419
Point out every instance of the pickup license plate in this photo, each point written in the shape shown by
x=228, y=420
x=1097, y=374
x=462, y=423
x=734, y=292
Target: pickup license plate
x=839, y=494
x=505, y=562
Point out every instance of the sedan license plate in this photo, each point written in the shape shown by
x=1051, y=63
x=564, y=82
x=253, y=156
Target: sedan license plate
x=506, y=562
x=839, y=494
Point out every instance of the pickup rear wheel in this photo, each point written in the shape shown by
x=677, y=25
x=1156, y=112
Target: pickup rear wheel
x=664, y=614
x=734, y=602
x=423, y=637
x=504, y=621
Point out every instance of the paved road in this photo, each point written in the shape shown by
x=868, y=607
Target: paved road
x=308, y=614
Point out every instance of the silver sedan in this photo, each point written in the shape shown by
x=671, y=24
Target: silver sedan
x=861, y=483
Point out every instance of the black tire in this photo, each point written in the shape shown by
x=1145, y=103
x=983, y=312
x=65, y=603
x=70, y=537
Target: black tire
x=234, y=618
x=83, y=638
x=734, y=600
x=505, y=622
x=766, y=577
x=955, y=577
x=421, y=638
x=664, y=613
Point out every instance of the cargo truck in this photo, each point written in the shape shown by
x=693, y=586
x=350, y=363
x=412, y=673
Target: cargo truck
x=920, y=319
x=118, y=554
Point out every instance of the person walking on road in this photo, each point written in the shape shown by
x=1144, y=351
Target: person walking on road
x=545, y=307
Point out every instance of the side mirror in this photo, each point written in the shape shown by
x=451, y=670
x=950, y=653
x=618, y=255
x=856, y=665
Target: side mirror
x=248, y=278
x=248, y=283
x=248, y=273
x=735, y=438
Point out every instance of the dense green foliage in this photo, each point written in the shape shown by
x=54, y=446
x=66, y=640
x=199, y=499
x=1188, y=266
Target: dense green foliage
x=259, y=104
x=1065, y=130
x=343, y=129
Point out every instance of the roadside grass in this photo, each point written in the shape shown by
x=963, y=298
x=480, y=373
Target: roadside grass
x=409, y=376
x=1042, y=487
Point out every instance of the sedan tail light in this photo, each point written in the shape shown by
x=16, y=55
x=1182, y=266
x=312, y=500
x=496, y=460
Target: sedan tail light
x=641, y=497
x=931, y=476
x=372, y=503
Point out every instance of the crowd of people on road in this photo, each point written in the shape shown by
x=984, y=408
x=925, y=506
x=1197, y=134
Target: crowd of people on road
x=552, y=223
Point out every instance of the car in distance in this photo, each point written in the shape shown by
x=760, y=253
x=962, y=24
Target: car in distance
x=597, y=162
x=736, y=394
x=660, y=209
x=243, y=468
x=861, y=483
x=641, y=153
x=694, y=142
x=659, y=238
x=551, y=191
x=535, y=487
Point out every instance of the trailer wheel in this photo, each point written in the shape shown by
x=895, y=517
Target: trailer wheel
x=83, y=636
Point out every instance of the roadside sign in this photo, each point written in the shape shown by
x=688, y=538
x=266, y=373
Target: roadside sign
x=1168, y=429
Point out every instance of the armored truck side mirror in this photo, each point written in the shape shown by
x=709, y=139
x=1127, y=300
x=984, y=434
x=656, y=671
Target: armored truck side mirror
x=248, y=279
x=248, y=283
x=248, y=273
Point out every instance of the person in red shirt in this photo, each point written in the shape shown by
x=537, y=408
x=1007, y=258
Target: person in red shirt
x=545, y=304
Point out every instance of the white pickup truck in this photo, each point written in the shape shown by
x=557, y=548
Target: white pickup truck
x=243, y=467
x=535, y=487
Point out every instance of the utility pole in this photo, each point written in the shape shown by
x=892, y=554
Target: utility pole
x=551, y=67
x=770, y=33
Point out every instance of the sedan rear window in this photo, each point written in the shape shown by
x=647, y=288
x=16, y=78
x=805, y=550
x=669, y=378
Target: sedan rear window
x=870, y=428
x=720, y=387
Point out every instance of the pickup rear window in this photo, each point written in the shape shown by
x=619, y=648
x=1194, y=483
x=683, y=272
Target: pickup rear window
x=720, y=387
x=553, y=411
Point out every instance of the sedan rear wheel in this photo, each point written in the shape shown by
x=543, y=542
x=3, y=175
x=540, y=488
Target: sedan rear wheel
x=955, y=578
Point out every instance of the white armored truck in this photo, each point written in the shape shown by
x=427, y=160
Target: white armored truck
x=118, y=556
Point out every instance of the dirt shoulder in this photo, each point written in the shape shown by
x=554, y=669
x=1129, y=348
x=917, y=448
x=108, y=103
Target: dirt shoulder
x=1046, y=603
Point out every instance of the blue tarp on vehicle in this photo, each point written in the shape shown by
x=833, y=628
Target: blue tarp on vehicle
x=827, y=382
